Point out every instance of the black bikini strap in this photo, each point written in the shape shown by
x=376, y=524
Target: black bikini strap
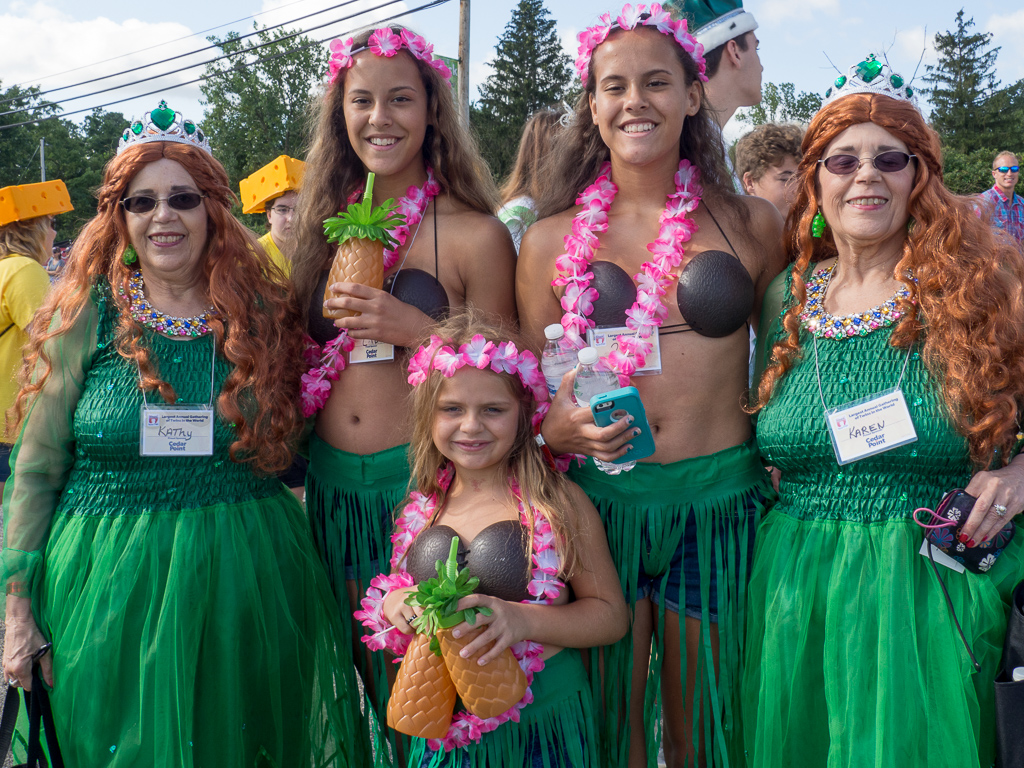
x=437, y=274
x=708, y=209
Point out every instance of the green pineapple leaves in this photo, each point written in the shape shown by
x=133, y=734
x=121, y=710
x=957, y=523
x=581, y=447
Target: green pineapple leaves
x=364, y=222
x=439, y=598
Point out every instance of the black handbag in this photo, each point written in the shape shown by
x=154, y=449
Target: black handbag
x=1010, y=694
x=40, y=719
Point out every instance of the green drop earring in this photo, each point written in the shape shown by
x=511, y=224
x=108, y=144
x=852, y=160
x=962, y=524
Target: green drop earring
x=130, y=256
x=818, y=224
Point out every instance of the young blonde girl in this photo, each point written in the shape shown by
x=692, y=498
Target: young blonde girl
x=479, y=470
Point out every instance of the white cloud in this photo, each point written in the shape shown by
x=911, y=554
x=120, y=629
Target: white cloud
x=283, y=11
x=776, y=11
x=1008, y=32
x=32, y=29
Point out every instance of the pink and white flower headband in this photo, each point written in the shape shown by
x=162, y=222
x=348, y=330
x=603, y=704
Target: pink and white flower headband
x=479, y=353
x=386, y=43
x=629, y=19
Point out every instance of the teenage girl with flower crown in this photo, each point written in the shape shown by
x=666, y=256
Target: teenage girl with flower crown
x=482, y=476
x=658, y=246
x=388, y=108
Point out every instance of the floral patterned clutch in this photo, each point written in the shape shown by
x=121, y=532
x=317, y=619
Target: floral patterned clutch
x=946, y=523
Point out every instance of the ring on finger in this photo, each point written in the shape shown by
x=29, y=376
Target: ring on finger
x=999, y=509
x=13, y=681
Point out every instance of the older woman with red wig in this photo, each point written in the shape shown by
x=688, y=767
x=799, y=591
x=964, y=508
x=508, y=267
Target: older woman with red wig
x=894, y=373
x=146, y=536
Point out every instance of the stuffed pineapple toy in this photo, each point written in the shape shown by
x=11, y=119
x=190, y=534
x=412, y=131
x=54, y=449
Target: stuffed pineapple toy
x=421, y=703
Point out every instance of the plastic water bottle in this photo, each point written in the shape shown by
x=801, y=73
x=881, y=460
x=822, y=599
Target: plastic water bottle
x=557, y=359
x=591, y=382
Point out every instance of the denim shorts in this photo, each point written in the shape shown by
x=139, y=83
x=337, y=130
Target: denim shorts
x=686, y=563
x=666, y=523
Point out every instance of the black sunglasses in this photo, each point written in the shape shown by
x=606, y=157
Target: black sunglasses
x=179, y=201
x=887, y=162
x=1007, y=168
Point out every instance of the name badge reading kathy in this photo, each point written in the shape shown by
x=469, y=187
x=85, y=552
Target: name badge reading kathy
x=370, y=351
x=176, y=430
x=871, y=425
x=606, y=341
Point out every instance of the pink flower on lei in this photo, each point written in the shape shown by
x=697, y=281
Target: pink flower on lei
x=384, y=42
x=504, y=358
x=341, y=57
x=630, y=17
x=578, y=298
x=477, y=351
x=447, y=361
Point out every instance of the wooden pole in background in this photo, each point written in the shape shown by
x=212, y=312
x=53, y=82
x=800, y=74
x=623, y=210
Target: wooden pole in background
x=464, y=59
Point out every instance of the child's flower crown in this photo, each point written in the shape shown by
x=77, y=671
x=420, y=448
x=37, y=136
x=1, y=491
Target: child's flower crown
x=480, y=353
x=629, y=19
x=386, y=43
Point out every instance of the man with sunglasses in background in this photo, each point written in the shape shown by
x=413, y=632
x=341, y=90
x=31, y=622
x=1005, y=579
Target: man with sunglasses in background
x=1007, y=206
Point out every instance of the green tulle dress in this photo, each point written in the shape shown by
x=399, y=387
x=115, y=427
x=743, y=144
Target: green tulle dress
x=191, y=620
x=853, y=659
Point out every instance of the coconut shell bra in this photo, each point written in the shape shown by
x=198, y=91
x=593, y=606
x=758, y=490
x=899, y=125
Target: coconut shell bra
x=715, y=294
x=412, y=286
x=498, y=556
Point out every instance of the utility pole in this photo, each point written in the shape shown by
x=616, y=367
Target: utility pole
x=42, y=159
x=464, y=59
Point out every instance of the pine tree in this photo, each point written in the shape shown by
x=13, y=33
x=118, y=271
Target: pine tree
x=530, y=72
x=963, y=85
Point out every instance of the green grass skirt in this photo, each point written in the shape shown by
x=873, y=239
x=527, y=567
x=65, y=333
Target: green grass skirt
x=645, y=512
x=351, y=501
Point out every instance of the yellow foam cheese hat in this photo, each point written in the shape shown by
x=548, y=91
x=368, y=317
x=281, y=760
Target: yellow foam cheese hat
x=282, y=174
x=29, y=201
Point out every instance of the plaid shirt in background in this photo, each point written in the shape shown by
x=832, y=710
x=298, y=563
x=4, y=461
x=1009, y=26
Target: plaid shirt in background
x=1006, y=214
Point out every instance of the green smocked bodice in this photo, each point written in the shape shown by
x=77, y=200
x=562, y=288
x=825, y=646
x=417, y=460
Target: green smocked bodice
x=108, y=469
x=792, y=435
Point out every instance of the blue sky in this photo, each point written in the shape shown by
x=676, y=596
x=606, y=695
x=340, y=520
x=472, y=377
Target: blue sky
x=41, y=39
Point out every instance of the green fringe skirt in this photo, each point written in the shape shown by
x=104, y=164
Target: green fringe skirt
x=557, y=730
x=646, y=513
x=351, y=500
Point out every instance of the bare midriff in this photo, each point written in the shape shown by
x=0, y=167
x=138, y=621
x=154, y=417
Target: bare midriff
x=368, y=409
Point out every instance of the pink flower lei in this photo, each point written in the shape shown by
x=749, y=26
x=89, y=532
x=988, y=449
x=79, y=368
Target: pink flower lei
x=653, y=281
x=386, y=43
x=326, y=364
x=544, y=587
x=629, y=19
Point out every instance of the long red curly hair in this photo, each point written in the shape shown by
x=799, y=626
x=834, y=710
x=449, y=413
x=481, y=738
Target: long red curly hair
x=256, y=318
x=968, y=289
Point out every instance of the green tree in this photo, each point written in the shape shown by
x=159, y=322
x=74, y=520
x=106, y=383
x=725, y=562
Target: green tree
x=964, y=92
x=781, y=104
x=74, y=153
x=530, y=72
x=256, y=101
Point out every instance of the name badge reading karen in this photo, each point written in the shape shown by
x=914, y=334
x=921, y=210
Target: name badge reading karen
x=871, y=425
x=606, y=341
x=370, y=351
x=176, y=430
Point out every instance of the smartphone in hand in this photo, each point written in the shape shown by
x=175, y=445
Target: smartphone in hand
x=609, y=407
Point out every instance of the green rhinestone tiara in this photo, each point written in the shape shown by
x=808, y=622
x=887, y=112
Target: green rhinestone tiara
x=163, y=124
x=870, y=76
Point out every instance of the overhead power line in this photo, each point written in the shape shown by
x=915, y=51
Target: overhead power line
x=424, y=7
x=180, y=56
x=157, y=45
x=208, y=61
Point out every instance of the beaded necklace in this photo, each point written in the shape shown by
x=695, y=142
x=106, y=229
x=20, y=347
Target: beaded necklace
x=146, y=315
x=653, y=280
x=823, y=325
x=327, y=363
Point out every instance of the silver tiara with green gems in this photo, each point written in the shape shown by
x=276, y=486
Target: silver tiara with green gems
x=163, y=124
x=871, y=76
